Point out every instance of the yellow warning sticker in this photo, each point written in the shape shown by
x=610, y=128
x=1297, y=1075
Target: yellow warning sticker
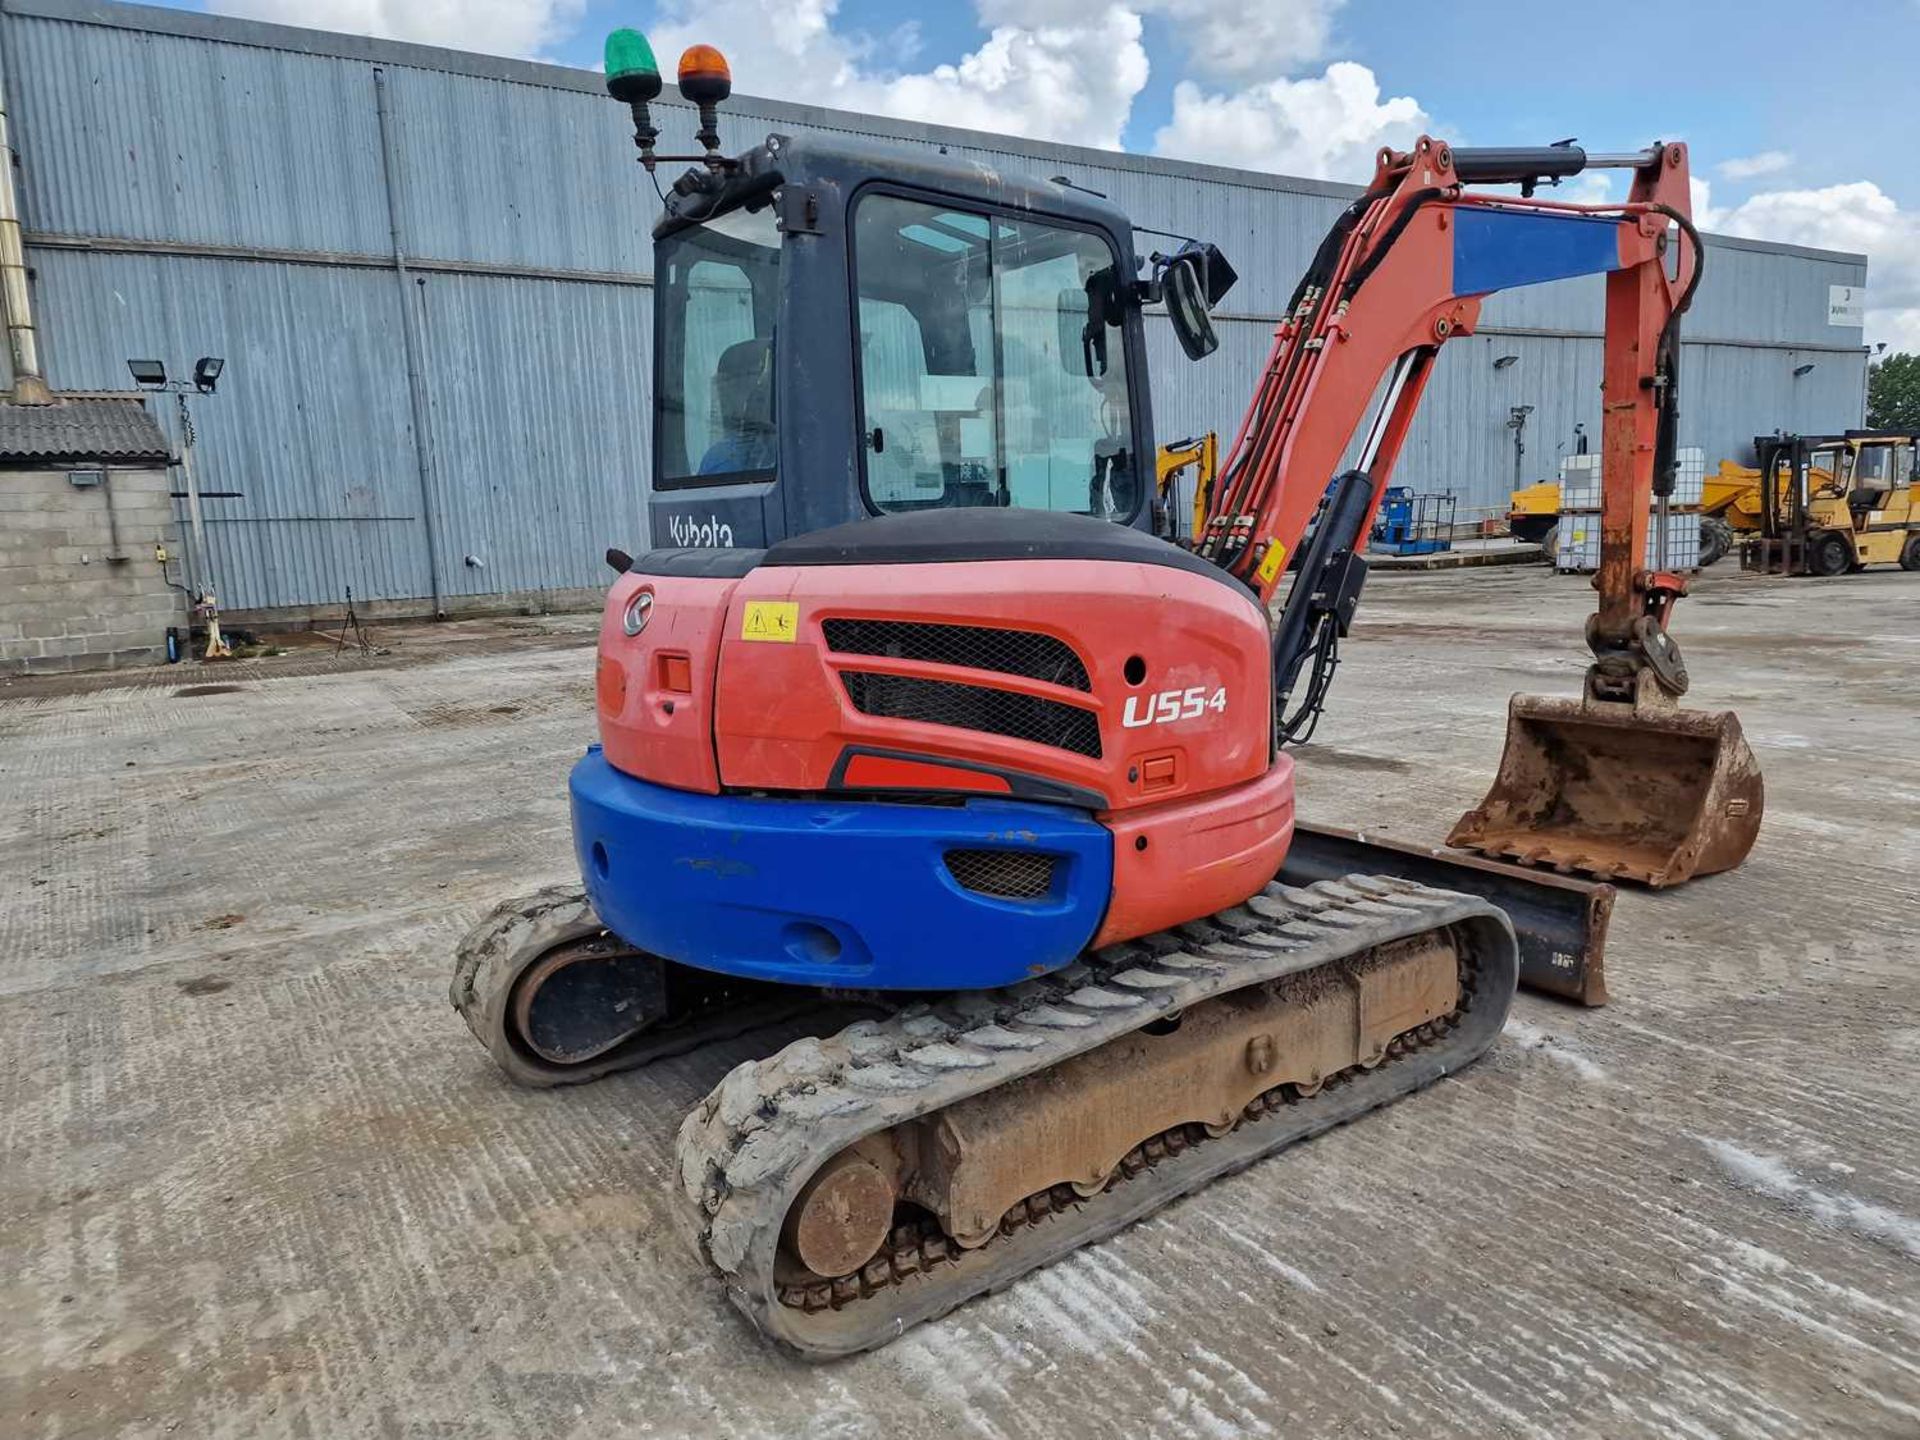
x=777, y=620
x=1271, y=562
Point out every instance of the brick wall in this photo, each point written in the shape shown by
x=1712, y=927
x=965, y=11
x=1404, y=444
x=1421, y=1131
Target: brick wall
x=64, y=605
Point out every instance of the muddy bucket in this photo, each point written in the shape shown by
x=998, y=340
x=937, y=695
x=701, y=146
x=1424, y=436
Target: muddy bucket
x=1618, y=791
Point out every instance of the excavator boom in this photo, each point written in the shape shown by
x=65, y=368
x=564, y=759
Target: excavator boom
x=1619, y=783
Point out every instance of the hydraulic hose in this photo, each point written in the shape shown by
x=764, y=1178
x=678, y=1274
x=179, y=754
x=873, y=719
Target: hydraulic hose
x=1667, y=359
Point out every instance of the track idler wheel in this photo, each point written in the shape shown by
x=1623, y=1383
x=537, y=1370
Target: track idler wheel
x=550, y=993
x=579, y=1000
x=842, y=1217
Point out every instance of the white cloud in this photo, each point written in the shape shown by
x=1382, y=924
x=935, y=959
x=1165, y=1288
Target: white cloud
x=497, y=27
x=1252, y=39
x=1064, y=70
x=1855, y=216
x=1326, y=127
x=1065, y=73
x=1236, y=38
x=1070, y=70
x=1589, y=187
x=1031, y=82
x=1700, y=192
x=1751, y=167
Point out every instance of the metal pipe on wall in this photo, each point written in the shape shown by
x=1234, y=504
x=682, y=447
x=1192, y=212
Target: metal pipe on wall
x=412, y=340
x=29, y=384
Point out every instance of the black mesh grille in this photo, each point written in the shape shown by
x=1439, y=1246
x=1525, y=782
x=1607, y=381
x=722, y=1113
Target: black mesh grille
x=975, y=707
x=1010, y=652
x=1011, y=874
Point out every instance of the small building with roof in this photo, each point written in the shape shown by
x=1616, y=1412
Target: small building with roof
x=87, y=540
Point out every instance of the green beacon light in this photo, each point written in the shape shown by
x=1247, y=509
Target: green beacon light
x=633, y=78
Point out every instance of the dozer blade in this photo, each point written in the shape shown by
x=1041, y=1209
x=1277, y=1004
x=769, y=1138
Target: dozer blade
x=1649, y=793
x=1559, y=920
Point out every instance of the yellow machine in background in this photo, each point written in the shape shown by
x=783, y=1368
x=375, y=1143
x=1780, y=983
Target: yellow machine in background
x=1828, y=504
x=1730, y=505
x=1855, y=502
x=1202, y=453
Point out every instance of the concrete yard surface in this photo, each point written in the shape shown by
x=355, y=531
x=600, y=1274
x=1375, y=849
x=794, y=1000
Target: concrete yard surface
x=259, y=1180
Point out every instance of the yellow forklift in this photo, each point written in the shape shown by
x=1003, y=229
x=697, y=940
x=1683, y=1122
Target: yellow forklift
x=1830, y=504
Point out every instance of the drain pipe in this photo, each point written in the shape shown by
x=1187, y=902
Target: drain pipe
x=29, y=385
x=413, y=343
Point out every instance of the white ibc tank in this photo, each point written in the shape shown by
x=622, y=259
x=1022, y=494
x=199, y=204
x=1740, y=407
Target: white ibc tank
x=1577, y=547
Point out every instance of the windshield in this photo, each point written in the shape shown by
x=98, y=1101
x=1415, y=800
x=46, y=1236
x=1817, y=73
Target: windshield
x=718, y=293
x=1876, y=467
x=990, y=373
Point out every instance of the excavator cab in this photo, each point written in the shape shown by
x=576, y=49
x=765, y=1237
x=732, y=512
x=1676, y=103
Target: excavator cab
x=846, y=331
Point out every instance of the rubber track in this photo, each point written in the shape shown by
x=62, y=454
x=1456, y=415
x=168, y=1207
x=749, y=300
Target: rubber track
x=746, y=1150
x=516, y=933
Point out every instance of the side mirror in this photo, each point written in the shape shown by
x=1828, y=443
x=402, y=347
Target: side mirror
x=1186, y=299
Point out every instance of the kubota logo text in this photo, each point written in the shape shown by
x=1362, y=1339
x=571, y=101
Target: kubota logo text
x=688, y=532
x=1171, y=705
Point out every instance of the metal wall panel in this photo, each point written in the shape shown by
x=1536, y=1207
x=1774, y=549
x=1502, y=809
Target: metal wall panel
x=517, y=175
x=310, y=421
x=159, y=137
x=1751, y=293
x=149, y=131
x=541, y=396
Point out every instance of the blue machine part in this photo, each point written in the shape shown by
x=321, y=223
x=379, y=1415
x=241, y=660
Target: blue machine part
x=1499, y=249
x=837, y=893
x=1410, y=524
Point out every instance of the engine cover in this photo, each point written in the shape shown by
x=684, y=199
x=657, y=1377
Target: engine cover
x=1133, y=691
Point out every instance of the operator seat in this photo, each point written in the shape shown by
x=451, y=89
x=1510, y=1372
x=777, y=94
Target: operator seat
x=743, y=408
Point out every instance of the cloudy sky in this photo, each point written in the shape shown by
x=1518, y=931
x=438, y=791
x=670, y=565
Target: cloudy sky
x=1800, y=116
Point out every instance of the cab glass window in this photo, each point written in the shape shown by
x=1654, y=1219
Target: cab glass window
x=990, y=372
x=717, y=291
x=1879, y=466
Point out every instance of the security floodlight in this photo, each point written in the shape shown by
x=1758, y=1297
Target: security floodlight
x=206, y=373
x=148, y=374
x=1505, y=360
x=1799, y=370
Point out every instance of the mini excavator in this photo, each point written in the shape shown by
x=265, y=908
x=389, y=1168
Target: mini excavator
x=919, y=720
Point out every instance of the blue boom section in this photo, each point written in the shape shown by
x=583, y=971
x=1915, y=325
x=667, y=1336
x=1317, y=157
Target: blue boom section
x=1500, y=249
x=812, y=892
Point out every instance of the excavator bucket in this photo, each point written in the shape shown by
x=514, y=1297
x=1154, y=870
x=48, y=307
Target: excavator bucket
x=1653, y=794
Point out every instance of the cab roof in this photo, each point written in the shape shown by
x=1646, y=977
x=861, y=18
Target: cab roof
x=843, y=163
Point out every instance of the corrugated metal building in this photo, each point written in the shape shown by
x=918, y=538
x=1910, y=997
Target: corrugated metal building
x=429, y=275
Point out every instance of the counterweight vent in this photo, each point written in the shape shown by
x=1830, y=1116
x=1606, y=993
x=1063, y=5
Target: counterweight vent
x=975, y=707
x=976, y=647
x=1009, y=874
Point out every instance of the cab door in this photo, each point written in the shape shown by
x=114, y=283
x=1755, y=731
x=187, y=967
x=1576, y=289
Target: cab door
x=991, y=362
